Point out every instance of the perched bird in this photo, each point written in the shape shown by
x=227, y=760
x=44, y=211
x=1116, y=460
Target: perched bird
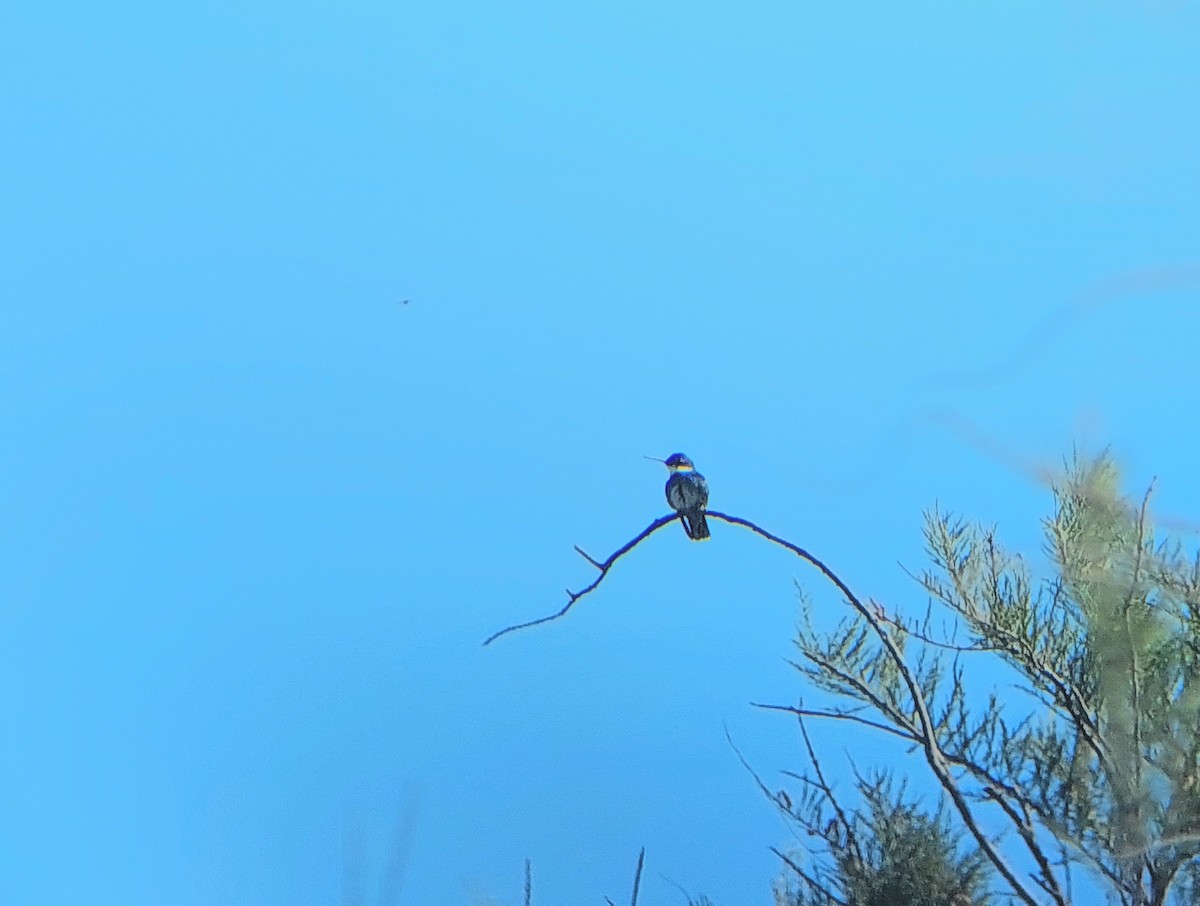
x=687, y=492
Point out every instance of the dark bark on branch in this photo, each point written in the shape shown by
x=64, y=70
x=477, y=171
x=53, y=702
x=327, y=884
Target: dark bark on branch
x=637, y=880
x=637, y=877
x=604, y=567
x=573, y=596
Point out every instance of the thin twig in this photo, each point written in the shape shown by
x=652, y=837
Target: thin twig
x=798, y=551
x=528, y=883
x=808, y=879
x=851, y=839
x=637, y=877
x=920, y=635
x=588, y=557
x=762, y=787
x=573, y=596
x=837, y=715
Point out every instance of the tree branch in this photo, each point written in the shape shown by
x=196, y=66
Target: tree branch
x=827, y=790
x=762, y=787
x=838, y=715
x=810, y=881
x=573, y=596
x=637, y=877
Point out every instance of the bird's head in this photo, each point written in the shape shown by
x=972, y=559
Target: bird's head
x=677, y=462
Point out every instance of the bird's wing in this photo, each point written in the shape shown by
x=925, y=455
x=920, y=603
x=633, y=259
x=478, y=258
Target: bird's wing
x=676, y=493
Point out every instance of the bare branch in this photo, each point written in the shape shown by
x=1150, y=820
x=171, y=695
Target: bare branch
x=839, y=715
x=763, y=788
x=1024, y=825
x=851, y=839
x=808, y=879
x=911, y=629
x=804, y=555
x=588, y=557
x=573, y=596
x=637, y=877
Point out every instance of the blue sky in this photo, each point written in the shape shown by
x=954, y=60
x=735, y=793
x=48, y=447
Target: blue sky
x=258, y=514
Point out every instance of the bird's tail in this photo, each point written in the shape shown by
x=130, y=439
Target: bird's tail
x=697, y=526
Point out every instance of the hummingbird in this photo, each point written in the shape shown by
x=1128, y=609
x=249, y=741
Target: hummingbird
x=687, y=492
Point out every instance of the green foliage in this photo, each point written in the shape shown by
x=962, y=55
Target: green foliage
x=1101, y=766
x=889, y=852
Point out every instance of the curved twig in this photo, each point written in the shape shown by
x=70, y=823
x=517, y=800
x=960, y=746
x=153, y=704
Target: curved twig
x=812, y=882
x=827, y=791
x=795, y=549
x=839, y=715
x=573, y=596
x=637, y=877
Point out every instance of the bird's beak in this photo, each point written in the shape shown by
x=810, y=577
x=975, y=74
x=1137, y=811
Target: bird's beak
x=656, y=459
